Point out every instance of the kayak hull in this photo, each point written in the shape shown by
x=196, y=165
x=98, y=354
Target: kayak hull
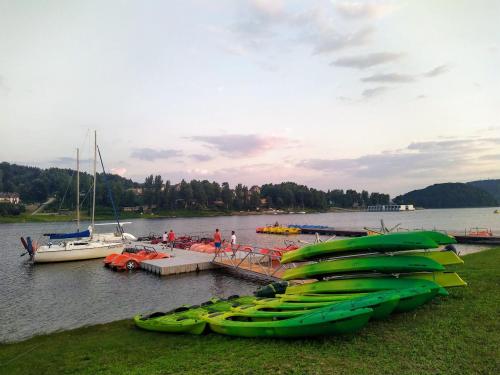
x=383, y=243
x=317, y=323
x=381, y=264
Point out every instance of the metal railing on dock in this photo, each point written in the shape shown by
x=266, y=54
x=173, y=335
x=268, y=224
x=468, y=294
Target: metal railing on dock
x=252, y=259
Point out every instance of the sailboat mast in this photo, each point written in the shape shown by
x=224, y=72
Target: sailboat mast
x=78, y=190
x=95, y=179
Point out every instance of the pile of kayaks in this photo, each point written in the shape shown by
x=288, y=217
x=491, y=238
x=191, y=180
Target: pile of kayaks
x=335, y=287
x=273, y=229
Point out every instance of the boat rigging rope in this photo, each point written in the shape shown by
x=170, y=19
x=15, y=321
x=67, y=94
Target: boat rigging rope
x=66, y=192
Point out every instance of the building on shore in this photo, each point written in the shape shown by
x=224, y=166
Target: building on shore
x=10, y=198
x=390, y=207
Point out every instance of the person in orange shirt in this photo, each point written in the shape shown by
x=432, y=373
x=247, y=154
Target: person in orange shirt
x=171, y=239
x=217, y=240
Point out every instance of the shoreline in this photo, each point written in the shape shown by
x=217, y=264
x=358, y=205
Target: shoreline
x=454, y=334
x=56, y=218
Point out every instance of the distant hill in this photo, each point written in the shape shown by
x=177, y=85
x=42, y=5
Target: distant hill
x=448, y=195
x=490, y=186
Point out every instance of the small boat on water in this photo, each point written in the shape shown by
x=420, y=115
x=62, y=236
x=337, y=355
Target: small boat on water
x=79, y=245
x=480, y=232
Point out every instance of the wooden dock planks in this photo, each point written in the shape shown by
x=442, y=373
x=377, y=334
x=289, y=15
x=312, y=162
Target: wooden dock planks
x=183, y=261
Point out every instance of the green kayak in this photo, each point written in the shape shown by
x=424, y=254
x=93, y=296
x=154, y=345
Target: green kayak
x=382, y=303
x=357, y=285
x=445, y=279
x=438, y=237
x=445, y=257
x=380, y=264
x=186, y=319
x=380, y=243
x=410, y=299
x=319, y=322
x=313, y=297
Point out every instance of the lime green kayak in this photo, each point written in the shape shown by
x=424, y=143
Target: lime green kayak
x=445, y=258
x=312, y=297
x=445, y=279
x=382, y=303
x=380, y=264
x=363, y=285
x=319, y=322
x=381, y=243
x=410, y=299
x=186, y=319
x=438, y=237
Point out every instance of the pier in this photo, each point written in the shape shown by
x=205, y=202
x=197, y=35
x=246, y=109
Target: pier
x=182, y=261
x=250, y=260
x=254, y=261
x=328, y=231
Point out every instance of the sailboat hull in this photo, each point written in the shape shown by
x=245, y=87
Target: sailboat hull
x=71, y=252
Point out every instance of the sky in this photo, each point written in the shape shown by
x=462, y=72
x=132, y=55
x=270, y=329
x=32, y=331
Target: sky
x=385, y=96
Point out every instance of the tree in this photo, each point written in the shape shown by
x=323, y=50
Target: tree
x=186, y=193
x=157, y=193
x=227, y=196
x=148, y=191
x=239, y=197
x=255, y=200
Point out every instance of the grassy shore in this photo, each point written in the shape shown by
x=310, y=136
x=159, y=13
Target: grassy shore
x=48, y=218
x=458, y=334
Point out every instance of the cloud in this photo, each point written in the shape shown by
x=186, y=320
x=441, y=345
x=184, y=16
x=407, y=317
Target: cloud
x=201, y=157
x=331, y=40
x=431, y=160
x=119, y=171
x=150, y=154
x=370, y=93
x=438, y=70
x=358, y=9
x=493, y=157
x=366, y=61
x=268, y=8
x=389, y=78
x=405, y=78
x=3, y=85
x=240, y=145
x=248, y=174
x=68, y=162
x=264, y=21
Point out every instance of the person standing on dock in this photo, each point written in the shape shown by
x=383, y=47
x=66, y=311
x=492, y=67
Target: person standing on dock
x=171, y=239
x=217, y=240
x=233, y=243
x=164, y=238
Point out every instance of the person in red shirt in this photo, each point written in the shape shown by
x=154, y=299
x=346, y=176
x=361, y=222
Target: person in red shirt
x=217, y=240
x=171, y=239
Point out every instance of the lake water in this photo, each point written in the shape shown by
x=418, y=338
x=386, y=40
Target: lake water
x=43, y=298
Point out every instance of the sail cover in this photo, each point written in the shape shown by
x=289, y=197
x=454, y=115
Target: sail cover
x=60, y=236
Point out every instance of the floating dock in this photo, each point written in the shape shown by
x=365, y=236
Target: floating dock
x=476, y=240
x=183, y=261
x=334, y=232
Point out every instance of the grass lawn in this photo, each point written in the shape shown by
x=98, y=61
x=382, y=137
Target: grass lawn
x=458, y=334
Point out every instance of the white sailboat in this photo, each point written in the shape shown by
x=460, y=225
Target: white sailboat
x=80, y=245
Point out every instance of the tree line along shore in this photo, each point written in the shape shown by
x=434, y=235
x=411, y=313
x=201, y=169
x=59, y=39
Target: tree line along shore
x=156, y=196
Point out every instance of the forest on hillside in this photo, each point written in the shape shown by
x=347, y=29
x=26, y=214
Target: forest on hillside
x=36, y=185
x=448, y=195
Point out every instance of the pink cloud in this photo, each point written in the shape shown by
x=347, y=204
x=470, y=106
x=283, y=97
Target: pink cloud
x=119, y=171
